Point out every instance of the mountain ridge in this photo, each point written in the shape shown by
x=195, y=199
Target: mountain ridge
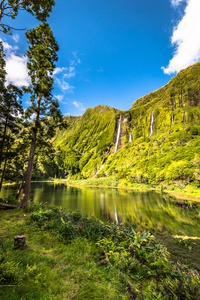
x=158, y=140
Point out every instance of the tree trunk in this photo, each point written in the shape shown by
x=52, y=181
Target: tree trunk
x=4, y=169
x=27, y=185
x=4, y=137
x=20, y=187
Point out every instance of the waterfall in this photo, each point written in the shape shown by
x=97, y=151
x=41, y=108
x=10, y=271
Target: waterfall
x=184, y=120
x=130, y=136
x=100, y=169
x=173, y=103
x=172, y=121
x=183, y=98
x=118, y=133
x=151, y=125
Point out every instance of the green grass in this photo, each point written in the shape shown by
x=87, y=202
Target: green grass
x=51, y=269
x=185, y=250
x=64, y=259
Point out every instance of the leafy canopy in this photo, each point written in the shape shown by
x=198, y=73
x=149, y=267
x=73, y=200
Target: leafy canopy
x=38, y=8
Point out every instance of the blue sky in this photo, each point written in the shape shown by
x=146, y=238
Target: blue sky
x=111, y=51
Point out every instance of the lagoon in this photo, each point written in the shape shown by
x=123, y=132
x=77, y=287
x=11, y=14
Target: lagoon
x=149, y=210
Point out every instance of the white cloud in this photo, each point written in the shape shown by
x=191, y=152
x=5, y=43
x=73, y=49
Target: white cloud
x=59, y=97
x=186, y=38
x=71, y=73
x=66, y=86
x=76, y=60
x=16, y=69
x=6, y=46
x=59, y=70
x=16, y=38
x=79, y=105
x=63, y=77
x=76, y=104
x=176, y=2
x=16, y=66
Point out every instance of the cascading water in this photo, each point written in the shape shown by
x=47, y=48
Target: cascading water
x=184, y=119
x=151, y=125
x=172, y=121
x=173, y=103
x=118, y=134
x=130, y=136
x=183, y=103
x=100, y=169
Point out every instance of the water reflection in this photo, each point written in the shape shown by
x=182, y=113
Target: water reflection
x=146, y=209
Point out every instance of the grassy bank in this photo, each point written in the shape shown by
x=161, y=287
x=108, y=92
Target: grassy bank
x=73, y=257
x=178, y=190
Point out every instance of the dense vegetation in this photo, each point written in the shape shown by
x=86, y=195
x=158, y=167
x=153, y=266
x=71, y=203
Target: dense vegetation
x=87, y=141
x=75, y=257
x=171, y=155
x=163, y=152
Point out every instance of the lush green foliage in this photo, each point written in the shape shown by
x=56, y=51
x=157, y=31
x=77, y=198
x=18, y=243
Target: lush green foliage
x=170, y=155
x=56, y=270
x=50, y=269
x=87, y=141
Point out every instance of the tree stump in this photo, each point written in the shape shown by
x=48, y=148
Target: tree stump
x=20, y=242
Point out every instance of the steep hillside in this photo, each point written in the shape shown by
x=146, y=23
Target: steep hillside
x=88, y=140
x=157, y=140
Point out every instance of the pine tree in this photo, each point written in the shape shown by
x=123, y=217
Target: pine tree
x=10, y=109
x=42, y=55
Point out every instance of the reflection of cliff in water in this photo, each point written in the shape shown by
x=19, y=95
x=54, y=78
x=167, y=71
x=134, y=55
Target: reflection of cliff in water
x=144, y=209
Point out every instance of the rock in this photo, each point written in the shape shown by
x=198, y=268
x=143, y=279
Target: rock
x=20, y=242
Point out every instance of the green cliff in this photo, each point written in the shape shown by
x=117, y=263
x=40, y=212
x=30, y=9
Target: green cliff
x=159, y=136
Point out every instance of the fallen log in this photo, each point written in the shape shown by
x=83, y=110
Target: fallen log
x=7, y=206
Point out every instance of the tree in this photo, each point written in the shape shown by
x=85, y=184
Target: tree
x=10, y=108
x=38, y=8
x=42, y=54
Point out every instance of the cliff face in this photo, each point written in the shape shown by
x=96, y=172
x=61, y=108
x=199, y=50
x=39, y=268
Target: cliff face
x=158, y=139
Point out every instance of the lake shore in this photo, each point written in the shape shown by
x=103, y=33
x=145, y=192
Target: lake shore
x=188, y=193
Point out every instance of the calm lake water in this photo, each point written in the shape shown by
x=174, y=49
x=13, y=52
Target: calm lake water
x=146, y=209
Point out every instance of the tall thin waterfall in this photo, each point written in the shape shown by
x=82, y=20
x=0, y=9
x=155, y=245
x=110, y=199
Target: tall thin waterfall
x=173, y=103
x=100, y=168
x=172, y=121
x=151, y=125
x=118, y=133
x=184, y=119
x=183, y=98
x=130, y=136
